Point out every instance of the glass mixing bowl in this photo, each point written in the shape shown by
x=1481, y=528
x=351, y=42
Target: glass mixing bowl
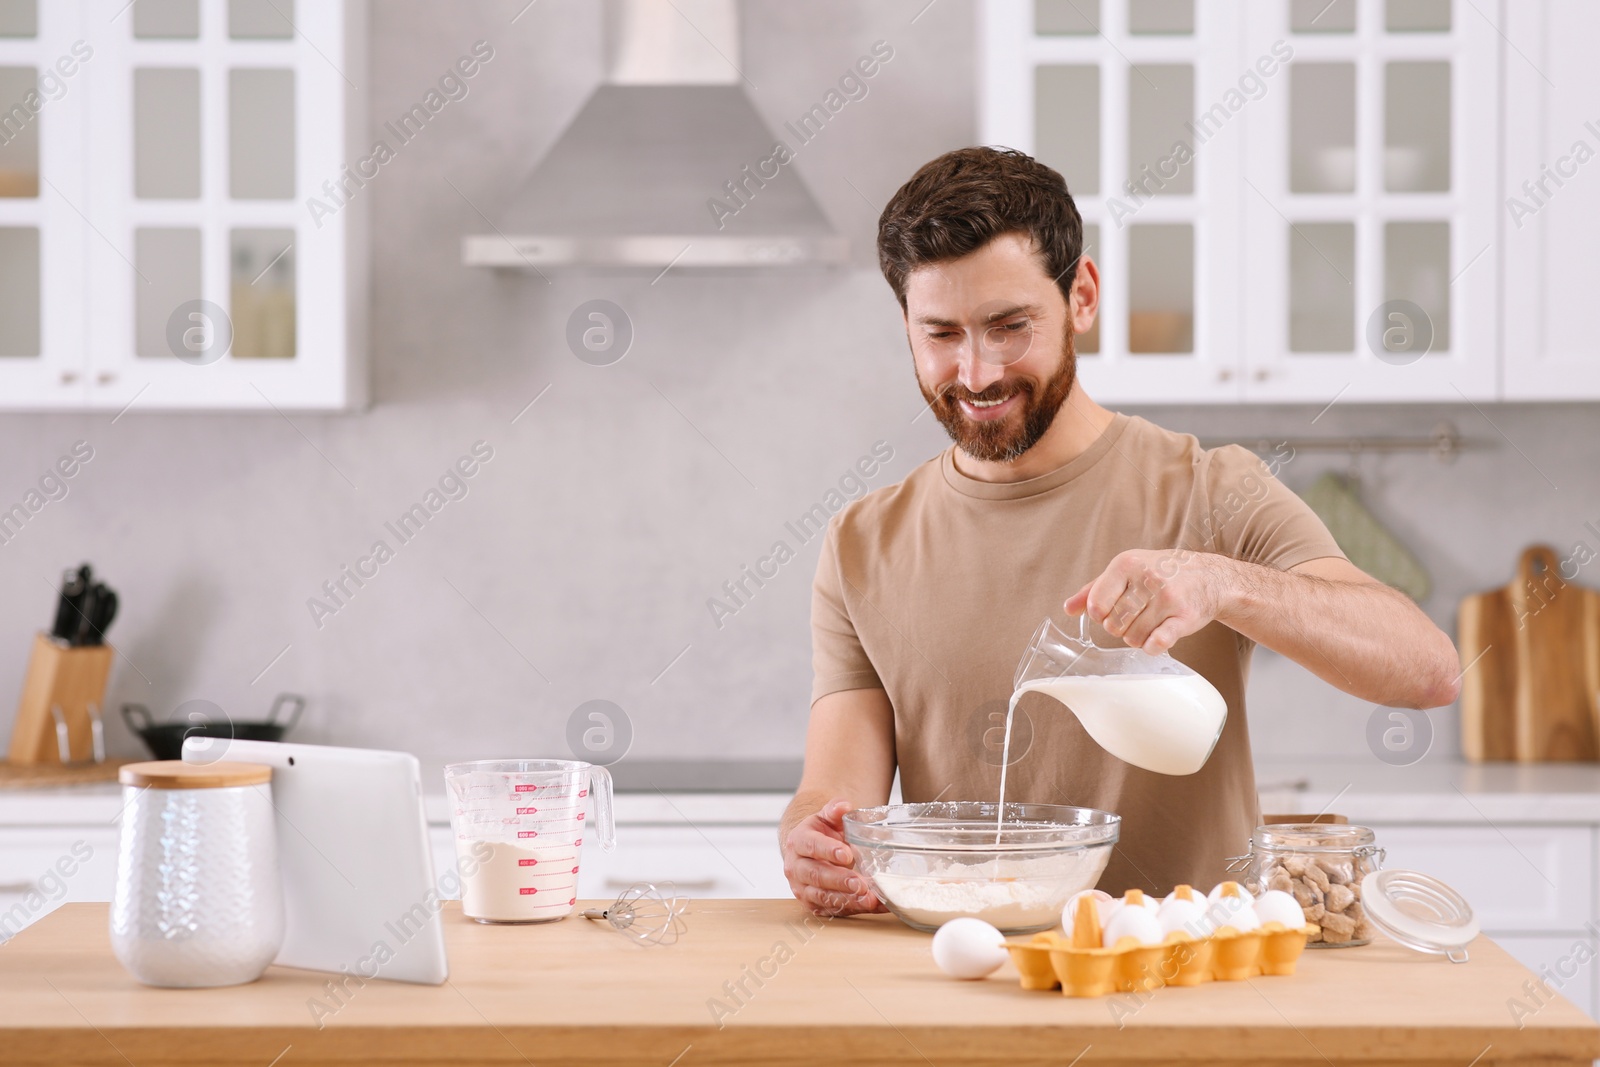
x=931, y=863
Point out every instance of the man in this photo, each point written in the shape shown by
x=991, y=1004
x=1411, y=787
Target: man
x=927, y=591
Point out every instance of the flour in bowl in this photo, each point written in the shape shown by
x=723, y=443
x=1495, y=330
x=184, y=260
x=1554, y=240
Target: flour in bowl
x=1011, y=894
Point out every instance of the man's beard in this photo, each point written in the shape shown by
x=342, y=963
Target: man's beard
x=1004, y=440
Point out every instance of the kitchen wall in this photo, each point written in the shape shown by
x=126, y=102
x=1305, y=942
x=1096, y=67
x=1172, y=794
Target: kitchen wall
x=579, y=562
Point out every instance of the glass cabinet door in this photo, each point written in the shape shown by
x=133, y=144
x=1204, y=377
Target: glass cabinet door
x=221, y=133
x=1111, y=94
x=41, y=193
x=1344, y=140
x=1370, y=266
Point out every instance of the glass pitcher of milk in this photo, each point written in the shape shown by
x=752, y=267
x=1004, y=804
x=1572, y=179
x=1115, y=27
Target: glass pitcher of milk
x=1150, y=711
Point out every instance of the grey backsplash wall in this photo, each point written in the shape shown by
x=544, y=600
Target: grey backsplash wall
x=579, y=563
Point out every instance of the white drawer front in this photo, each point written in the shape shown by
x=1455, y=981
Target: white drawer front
x=714, y=861
x=1566, y=976
x=728, y=861
x=41, y=869
x=1518, y=878
x=442, y=843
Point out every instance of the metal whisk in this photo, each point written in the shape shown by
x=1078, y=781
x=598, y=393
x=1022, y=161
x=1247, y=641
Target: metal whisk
x=645, y=912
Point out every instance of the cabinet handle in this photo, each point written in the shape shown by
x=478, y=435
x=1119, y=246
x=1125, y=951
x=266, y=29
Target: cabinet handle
x=1224, y=375
x=68, y=377
x=1262, y=374
x=18, y=887
x=105, y=377
x=677, y=883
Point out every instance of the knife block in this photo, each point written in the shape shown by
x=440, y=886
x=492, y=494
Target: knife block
x=64, y=681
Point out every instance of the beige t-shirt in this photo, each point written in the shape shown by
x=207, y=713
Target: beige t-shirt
x=930, y=590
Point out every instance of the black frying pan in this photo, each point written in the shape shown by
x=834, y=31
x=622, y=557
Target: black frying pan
x=165, y=739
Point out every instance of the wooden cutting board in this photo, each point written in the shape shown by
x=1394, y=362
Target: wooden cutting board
x=1531, y=651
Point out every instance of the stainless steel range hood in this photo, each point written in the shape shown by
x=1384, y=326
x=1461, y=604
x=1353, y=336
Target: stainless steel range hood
x=636, y=180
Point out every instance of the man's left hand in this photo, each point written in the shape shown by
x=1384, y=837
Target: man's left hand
x=1151, y=598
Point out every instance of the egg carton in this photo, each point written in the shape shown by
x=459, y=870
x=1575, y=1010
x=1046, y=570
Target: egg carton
x=1080, y=966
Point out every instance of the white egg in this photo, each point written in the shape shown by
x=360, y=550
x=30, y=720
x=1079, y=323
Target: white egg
x=1236, y=912
x=1150, y=903
x=968, y=948
x=1186, y=916
x=1103, y=902
x=1276, y=906
x=1220, y=890
x=1192, y=894
x=1137, y=923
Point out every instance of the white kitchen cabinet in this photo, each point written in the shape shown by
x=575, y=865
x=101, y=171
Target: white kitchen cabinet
x=1071, y=82
x=1521, y=879
x=1558, y=958
x=1370, y=270
x=1342, y=140
x=1531, y=886
x=704, y=861
x=42, y=868
x=191, y=242
x=44, y=95
x=709, y=861
x=1550, y=220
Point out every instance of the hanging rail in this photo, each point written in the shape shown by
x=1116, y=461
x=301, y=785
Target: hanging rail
x=1445, y=443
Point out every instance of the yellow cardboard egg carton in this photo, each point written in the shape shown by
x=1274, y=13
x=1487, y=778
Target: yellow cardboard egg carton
x=1080, y=965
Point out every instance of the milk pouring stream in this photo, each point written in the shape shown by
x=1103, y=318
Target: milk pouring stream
x=1150, y=711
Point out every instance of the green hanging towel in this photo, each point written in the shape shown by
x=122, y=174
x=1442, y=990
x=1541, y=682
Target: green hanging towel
x=1363, y=538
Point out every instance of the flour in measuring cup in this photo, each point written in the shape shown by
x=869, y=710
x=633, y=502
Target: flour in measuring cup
x=519, y=884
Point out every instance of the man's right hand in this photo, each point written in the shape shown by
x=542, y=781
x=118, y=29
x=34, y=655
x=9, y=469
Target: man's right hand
x=821, y=867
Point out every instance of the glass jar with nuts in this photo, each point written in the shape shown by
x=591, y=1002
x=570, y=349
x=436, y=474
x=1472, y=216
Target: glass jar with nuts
x=1322, y=866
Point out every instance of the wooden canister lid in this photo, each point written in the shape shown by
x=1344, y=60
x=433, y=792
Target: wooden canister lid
x=176, y=774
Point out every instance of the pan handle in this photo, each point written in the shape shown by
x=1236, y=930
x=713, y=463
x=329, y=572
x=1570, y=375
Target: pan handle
x=131, y=712
x=296, y=703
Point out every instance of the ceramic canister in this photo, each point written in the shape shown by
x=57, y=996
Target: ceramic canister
x=198, y=901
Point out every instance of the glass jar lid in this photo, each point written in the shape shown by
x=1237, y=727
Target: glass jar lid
x=1420, y=912
x=1312, y=837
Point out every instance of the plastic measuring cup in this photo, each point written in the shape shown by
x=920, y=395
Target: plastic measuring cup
x=518, y=826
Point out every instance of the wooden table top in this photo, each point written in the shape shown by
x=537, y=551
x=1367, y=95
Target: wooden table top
x=862, y=990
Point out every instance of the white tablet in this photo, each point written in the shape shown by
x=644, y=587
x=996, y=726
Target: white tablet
x=358, y=890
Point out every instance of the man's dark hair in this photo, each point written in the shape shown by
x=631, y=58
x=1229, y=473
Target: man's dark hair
x=961, y=201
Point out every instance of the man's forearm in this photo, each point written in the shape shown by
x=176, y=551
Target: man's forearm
x=1363, y=637
x=806, y=803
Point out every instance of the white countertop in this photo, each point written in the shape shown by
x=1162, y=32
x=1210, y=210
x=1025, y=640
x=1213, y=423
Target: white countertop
x=1365, y=791
x=94, y=804
x=1368, y=791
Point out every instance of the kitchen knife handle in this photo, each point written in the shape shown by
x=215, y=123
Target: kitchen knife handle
x=97, y=732
x=63, y=741
x=83, y=625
